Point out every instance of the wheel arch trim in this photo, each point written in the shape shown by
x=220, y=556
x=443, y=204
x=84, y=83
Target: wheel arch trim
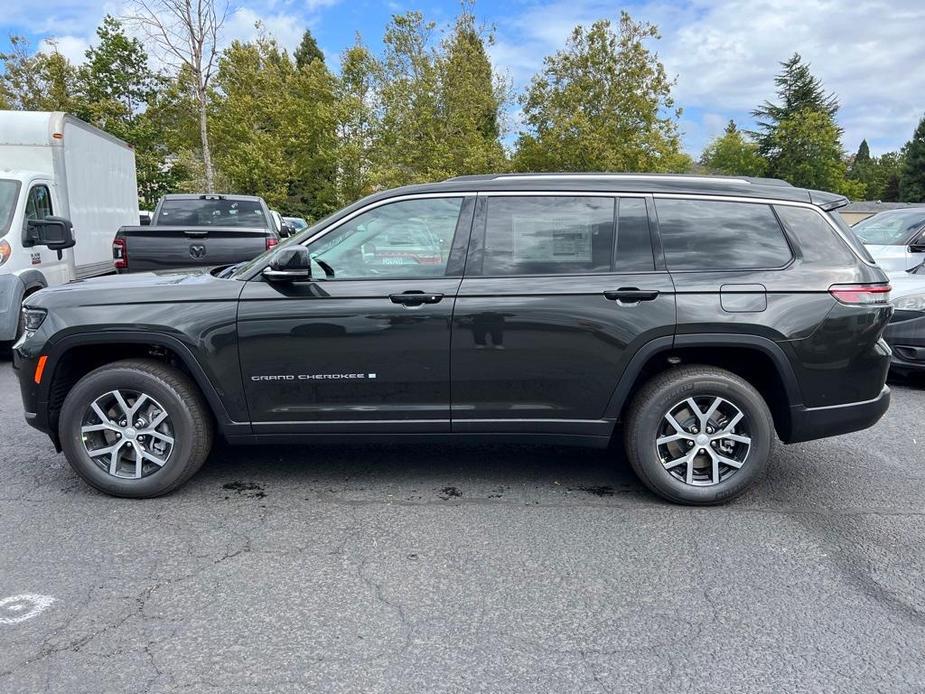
x=61, y=347
x=665, y=345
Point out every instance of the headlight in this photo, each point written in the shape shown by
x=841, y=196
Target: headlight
x=910, y=302
x=32, y=318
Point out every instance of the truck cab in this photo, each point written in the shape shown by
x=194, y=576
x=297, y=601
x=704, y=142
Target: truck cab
x=65, y=188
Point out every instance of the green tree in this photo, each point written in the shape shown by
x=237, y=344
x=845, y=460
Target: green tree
x=120, y=93
x=273, y=127
x=471, y=100
x=733, y=154
x=603, y=103
x=890, y=166
x=410, y=145
x=307, y=51
x=798, y=90
x=912, y=178
x=356, y=122
x=44, y=81
x=808, y=153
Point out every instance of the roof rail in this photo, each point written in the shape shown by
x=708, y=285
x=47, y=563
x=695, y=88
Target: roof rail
x=635, y=176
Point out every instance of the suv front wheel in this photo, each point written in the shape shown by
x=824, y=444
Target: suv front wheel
x=135, y=428
x=698, y=435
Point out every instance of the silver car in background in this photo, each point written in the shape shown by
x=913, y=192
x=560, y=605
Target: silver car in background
x=895, y=238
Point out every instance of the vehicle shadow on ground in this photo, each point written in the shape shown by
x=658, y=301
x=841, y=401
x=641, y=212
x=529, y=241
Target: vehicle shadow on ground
x=419, y=472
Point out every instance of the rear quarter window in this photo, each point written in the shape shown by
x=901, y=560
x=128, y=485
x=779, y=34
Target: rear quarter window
x=718, y=235
x=817, y=241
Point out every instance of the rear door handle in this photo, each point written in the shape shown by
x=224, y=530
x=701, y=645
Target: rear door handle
x=630, y=295
x=415, y=298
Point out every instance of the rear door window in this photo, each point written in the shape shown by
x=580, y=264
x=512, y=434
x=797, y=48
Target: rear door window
x=546, y=235
x=718, y=235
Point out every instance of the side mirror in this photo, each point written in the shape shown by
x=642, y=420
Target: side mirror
x=286, y=230
x=55, y=232
x=289, y=264
x=918, y=245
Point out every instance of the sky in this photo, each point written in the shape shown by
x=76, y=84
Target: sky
x=724, y=53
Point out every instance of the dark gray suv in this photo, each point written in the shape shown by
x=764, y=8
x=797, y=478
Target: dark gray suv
x=692, y=316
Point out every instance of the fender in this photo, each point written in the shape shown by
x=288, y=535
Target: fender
x=667, y=344
x=33, y=280
x=12, y=290
x=61, y=346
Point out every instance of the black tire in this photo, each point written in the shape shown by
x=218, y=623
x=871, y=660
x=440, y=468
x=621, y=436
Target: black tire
x=667, y=390
x=180, y=398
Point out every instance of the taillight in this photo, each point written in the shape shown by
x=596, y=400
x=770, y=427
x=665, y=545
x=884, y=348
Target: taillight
x=861, y=294
x=272, y=241
x=120, y=253
x=5, y=252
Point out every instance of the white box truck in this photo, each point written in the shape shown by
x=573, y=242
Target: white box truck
x=65, y=189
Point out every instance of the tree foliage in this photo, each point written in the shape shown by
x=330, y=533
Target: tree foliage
x=603, y=103
x=912, y=178
x=281, y=148
x=307, y=51
x=42, y=81
x=733, y=154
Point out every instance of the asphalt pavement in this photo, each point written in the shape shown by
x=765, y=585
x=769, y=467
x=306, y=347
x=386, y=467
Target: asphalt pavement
x=465, y=568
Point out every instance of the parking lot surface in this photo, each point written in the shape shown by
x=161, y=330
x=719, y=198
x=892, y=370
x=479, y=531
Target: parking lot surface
x=465, y=568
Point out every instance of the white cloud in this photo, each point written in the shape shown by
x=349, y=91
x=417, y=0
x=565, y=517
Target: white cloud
x=726, y=53
x=71, y=47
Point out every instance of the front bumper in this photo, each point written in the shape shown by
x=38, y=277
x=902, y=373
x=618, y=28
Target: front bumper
x=906, y=337
x=808, y=423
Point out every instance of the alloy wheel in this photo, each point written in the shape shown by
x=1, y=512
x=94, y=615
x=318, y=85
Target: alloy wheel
x=127, y=433
x=703, y=440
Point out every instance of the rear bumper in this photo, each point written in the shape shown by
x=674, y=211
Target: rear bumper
x=808, y=423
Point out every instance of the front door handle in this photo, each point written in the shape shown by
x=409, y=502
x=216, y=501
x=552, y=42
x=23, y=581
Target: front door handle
x=415, y=298
x=630, y=295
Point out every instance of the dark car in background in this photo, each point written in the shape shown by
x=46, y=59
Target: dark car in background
x=906, y=332
x=195, y=230
x=297, y=224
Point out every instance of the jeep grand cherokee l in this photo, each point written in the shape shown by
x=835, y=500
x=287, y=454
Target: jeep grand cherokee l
x=701, y=314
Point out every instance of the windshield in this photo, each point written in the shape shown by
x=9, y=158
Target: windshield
x=9, y=193
x=212, y=212
x=894, y=228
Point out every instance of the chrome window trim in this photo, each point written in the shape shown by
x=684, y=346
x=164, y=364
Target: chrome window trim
x=579, y=193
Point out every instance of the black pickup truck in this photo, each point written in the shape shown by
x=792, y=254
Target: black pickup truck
x=190, y=230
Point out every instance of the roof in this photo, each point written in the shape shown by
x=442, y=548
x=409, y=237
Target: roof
x=874, y=206
x=767, y=188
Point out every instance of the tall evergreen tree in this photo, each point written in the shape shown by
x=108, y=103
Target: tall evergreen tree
x=912, y=178
x=603, y=103
x=471, y=100
x=797, y=90
x=799, y=137
x=307, y=51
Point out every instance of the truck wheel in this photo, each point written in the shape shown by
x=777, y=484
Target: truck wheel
x=135, y=428
x=698, y=435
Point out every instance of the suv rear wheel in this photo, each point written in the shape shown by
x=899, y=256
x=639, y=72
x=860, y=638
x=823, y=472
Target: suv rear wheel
x=698, y=435
x=135, y=428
